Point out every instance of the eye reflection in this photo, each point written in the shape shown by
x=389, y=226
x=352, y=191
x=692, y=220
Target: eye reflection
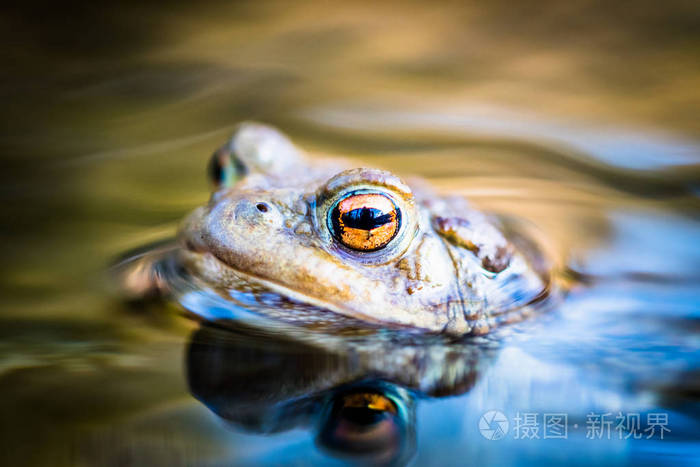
x=364, y=421
x=365, y=221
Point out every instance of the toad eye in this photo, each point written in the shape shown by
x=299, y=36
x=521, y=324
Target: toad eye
x=224, y=168
x=365, y=221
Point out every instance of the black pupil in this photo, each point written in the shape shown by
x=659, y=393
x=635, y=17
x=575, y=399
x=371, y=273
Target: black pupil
x=365, y=218
x=216, y=172
x=364, y=416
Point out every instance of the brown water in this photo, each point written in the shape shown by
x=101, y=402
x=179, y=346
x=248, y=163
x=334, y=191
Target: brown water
x=580, y=117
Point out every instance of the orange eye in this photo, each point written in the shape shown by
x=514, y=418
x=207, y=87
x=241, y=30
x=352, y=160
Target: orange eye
x=365, y=221
x=369, y=401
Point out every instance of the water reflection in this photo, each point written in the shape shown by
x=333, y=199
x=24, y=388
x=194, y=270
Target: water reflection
x=360, y=403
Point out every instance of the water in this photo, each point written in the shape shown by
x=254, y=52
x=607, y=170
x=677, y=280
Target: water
x=580, y=118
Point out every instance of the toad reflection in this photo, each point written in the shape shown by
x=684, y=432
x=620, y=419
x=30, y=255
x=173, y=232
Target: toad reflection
x=359, y=402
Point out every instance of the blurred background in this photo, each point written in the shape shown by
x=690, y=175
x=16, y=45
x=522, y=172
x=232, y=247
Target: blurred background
x=580, y=117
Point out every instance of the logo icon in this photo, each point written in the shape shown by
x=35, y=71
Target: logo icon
x=493, y=425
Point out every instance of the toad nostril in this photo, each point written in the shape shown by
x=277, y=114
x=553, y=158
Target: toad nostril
x=262, y=207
